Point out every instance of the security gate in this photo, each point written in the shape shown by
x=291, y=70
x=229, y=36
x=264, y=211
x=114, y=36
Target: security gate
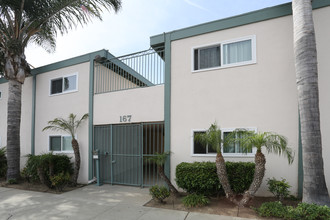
x=125, y=151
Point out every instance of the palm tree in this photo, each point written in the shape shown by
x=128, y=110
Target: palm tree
x=274, y=143
x=35, y=21
x=160, y=159
x=314, y=185
x=69, y=126
x=212, y=138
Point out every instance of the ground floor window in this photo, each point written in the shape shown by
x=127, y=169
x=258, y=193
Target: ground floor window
x=200, y=149
x=60, y=143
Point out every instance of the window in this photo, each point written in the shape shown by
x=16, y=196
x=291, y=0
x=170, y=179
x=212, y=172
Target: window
x=0, y=95
x=64, y=84
x=60, y=143
x=199, y=148
x=225, y=54
x=235, y=149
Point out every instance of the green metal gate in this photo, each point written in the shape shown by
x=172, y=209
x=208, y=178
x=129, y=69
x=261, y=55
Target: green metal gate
x=124, y=152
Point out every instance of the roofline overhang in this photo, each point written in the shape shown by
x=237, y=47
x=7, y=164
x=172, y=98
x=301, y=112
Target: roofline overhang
x=231, y=22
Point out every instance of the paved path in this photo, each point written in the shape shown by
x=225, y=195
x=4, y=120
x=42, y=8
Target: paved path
x=90, y=202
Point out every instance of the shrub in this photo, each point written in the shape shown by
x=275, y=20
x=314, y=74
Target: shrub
x=308, y=212
x=59, y=181
x=3, y=162
x=195, y=200
x=201, y=177
x=159, y=193
x=41, y=167
x=280, y=189
x=272, y=209
x=303, y=211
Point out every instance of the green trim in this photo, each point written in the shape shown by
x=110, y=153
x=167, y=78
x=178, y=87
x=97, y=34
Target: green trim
x=33, y=118
x=90, y=119
x=167, y=101
x=66, y=63
x=300, y=161
x=231, y=22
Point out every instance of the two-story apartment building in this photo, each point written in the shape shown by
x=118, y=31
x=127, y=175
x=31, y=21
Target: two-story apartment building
x=237, y=71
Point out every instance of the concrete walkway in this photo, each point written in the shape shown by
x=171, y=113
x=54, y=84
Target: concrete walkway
x=90, y=202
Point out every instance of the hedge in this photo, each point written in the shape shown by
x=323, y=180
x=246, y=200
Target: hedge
x=201, y=177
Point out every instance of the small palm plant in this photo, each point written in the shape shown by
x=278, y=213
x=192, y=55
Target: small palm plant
x=272, y=142
x=70, y=126
x=212, y=138
x=159, y=159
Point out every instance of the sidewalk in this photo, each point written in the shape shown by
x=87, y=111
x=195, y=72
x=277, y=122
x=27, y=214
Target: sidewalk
x=90, y=202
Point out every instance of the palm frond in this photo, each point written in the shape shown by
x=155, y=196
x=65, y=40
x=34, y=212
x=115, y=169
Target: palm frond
x=159, y=158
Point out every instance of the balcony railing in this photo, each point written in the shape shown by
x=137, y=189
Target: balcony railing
x=138, y=70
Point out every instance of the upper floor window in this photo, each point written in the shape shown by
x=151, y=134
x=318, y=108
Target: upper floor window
x=225, y=54
x=64, y=84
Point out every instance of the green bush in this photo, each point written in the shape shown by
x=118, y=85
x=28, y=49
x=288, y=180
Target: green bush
x=48, y=165
x=159, y=193
x=3, y=162
x=195, y=200
x=272, y=209
x=59, y=181
x=306, y=211
x=280, y=189
x=303, y=211
x=201, y=177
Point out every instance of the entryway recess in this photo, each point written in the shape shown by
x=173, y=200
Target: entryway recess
x=125, y=150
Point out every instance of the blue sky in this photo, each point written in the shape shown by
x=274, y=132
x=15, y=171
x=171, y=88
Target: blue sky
x=129, y=30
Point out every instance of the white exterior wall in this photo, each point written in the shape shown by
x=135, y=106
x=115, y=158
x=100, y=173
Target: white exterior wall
x=143, y=104
x=61, y=105
x=261, y=95
x=3, y=114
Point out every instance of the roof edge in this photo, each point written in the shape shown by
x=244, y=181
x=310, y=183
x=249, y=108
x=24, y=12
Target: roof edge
x=230, y=22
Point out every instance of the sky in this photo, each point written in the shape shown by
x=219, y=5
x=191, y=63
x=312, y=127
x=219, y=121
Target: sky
x=129, y=30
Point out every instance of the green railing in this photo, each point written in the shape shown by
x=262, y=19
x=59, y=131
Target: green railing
x=137, y=70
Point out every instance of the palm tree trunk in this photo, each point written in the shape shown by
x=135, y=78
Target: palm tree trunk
x=167, y=181
x=259, y=173
x=314, y=185
x=223, y=177
x=76, y=152
x=13, y=129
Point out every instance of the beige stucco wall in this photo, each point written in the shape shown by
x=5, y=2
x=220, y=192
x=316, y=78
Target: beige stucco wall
x=26, y=113
x=261, y=95
x=143, y=104
x=61, y=105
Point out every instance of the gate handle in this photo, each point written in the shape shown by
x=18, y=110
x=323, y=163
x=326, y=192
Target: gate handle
x=113, y=161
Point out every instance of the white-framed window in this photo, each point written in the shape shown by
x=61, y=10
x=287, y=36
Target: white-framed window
x=60, y=143
x=199, y=149
x=236, y=52
x=233, y=150
x=64, y=84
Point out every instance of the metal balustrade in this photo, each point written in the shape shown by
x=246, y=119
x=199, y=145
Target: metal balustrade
x=137, y=70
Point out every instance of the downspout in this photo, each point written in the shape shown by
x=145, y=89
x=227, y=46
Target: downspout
x=167, y=102
x=33, y=117
x=90, y=118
